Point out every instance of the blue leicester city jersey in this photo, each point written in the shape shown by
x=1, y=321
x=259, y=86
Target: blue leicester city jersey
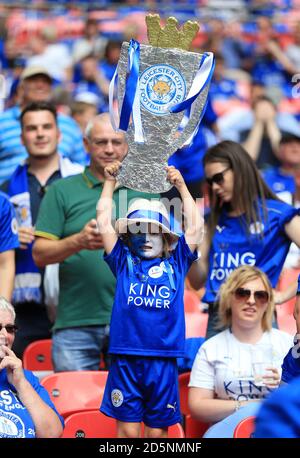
x=265, y=246
x=148, y=312
x=8, y=225
x=15, y=420
x=279, y=181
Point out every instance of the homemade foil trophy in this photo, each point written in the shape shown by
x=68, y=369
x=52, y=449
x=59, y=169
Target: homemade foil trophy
x=162, y=94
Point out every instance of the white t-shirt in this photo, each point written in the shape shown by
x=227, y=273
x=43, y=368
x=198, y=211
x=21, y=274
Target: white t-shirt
x=227, y=366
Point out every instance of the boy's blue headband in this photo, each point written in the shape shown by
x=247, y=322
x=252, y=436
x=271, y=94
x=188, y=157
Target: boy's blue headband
x=151, y=216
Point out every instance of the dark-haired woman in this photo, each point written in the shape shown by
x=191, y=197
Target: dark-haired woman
x=247, y=224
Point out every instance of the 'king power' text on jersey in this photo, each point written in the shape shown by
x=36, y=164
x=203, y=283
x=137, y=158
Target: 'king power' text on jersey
x=265, y=246
x=148, y=314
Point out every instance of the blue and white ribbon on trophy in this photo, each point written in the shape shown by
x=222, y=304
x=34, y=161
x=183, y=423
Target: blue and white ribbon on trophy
x=131, y=100
x=201, y=80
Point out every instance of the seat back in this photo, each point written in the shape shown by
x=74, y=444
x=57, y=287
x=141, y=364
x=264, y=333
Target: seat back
x=191, y=302
x=285, y=311
x=37, y=356
x=195, y=324
x=245, y=428
x=183, y=381
x=286, y=278
x=192, y=428
x=94, y=424
x=76, y=390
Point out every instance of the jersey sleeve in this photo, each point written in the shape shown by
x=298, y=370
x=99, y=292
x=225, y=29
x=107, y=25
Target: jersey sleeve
x=203, y=373
x=42, y=392
x=51, y=217
x=287, y=214
x=8, y=226
x=183, y=255
x=117, y=257
x=291, y=365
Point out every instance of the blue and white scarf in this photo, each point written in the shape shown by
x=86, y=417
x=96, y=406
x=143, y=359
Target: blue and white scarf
x=28, y=277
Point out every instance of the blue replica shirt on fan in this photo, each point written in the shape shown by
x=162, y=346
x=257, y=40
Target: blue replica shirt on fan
x=15, y=420
x=279, y=415
x=291, y=365
x=266, y=245
x=279, y=181
x=8, y=225
x=148, y=312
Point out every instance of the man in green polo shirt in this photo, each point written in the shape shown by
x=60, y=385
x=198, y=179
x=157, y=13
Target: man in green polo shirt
x=66, y=232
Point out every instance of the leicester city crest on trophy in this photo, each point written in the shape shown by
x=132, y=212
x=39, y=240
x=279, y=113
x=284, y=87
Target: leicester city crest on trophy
x=161, y=85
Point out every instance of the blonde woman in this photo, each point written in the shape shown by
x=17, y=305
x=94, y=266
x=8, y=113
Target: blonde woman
x=238, y=367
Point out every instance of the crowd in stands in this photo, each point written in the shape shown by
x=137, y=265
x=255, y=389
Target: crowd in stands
x=59, y=153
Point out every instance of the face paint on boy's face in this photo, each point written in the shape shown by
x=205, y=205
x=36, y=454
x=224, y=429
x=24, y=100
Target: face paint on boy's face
x=147, y=245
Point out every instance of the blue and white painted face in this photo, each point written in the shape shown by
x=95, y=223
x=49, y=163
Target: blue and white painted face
x=146, y=240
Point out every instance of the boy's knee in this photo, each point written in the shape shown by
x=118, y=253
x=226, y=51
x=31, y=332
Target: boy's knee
x=128, y=430
x=156, y=433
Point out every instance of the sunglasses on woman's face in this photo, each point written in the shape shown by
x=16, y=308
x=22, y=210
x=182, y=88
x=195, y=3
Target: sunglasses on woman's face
x=10, y=328
x=260, y=297
x=217, y=178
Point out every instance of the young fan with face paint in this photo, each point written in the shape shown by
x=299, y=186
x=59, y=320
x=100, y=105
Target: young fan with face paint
x=147, y=326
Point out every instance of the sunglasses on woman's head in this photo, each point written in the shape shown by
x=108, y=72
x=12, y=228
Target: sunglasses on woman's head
x=242, y=294
x=217, y=178
x=10, y=328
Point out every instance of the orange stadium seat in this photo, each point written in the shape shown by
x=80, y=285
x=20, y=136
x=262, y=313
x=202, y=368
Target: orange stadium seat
x=37, y=356
x=192, y=428
x=195, y=324
x=75, y=390
x=245, y=428
x=191, y=302
x=94, y=424
x=285, y=319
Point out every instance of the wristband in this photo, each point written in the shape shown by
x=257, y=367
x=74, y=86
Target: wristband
x=298, y=287
x=238, y=405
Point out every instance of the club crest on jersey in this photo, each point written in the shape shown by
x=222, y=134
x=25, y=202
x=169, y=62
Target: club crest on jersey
x=14, y=226
x=256, y=228
x=161, y=86
x=117, y=398
x=11, y=425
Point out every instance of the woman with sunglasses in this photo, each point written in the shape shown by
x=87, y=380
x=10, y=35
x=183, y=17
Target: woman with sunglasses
x=26, y=410
x=239, y=366
x=247, y=224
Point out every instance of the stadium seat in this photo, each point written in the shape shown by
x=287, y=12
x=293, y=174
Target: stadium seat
x=285, y=319
x=183, y=381
x=75, y=390
x=191, y=302
x=192, y=428
x=37, y=356
x=245, y=428
x=286, y=278
x=94, y=424
x=195, y=324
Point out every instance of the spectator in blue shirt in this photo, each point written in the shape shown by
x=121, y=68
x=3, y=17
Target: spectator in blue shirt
x=281, y=179
x=35, y=86
x=8, y=242
x=26, y=410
